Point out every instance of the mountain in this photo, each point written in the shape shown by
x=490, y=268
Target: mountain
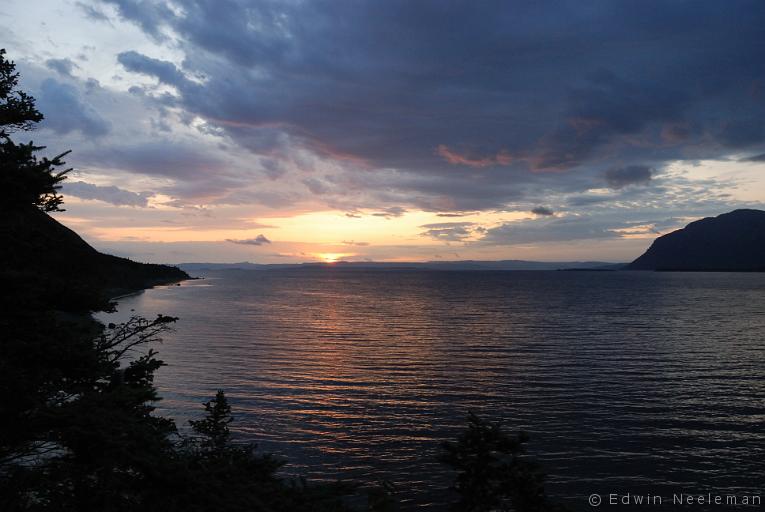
x=732, y=241
x=426, y=265
x=38, y=254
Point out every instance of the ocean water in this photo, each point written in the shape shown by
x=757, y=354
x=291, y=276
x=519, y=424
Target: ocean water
x=627, y=382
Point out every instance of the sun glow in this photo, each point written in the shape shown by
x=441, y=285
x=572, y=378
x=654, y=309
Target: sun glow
x=332, y=257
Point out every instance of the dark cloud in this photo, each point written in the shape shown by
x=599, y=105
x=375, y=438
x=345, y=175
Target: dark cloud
x=191, y=174
x=589, y=199
x=455, y=158
x=754, y=158
x=743, y=133
x=467, y=108
x=605, y=109
x=149, y=15
x=316, y=186
x=110, y=194
x=258, y=240
x=65, y=111
x=563, y=229
x=356, y=244
x=630, y=175
x=542, y=211
x=61, y=66
x=449, y=192
x=160, y=157
x=164, y=71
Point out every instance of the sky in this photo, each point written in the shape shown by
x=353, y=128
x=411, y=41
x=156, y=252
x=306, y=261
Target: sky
x=290, y=131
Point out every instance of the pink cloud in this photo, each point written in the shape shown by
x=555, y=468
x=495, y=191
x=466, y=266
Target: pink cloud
x=454, y=158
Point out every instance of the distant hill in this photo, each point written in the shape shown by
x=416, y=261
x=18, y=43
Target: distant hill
x=732, y=241
x=427, y=265
x=37, y=253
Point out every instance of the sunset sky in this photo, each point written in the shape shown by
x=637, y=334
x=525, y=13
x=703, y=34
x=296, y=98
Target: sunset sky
x=288, y=131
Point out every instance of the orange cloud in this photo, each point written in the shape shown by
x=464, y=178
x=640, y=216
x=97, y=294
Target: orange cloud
x=454, y=158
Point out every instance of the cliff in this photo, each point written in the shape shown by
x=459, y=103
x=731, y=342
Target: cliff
x=733, y=241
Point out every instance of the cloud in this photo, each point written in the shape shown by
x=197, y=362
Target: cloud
x=244, y=110
x=61, y=66
x=316, y=186
x=110, y=194
x=258, y=240
x=451, y=231
x=754, y=158
x=630, y=175
x=454, y=214
x=454, y=158
x=356, y=244
x=149, y=15
x=542, y=211
x=589, y=199
x=743, y=133
x=165, y=72
x=65, y=111
x=413, y=107
x=562, y=229
x=92, y=12
x=158, y=157
x=393, y=211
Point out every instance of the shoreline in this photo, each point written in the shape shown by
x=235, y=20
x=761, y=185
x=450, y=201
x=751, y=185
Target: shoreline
x=121, y=293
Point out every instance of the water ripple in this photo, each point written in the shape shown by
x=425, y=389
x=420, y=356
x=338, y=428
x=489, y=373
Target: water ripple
x=639, y=382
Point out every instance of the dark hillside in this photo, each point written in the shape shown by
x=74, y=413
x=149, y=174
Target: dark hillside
x=733, y=241
x=39, y=253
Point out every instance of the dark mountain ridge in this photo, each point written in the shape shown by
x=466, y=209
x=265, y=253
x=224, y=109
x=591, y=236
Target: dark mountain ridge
x=39, y=254
x=733, y=241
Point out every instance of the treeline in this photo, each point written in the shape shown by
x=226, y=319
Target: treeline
x=78, y=429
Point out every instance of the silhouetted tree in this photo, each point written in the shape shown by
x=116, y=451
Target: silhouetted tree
x=214, y=427
x=492, y=473
x=83, y=436
x=26, y=179
x=17, y=108
x=212, y=472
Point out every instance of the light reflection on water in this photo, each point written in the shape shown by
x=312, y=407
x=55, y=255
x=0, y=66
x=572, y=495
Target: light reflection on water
x=634, y=382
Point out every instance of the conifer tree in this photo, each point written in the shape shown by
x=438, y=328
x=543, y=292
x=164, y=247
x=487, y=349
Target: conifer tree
x=27, y=178
x=214, y=427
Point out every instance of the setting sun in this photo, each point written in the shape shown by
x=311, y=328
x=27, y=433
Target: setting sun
x=332, y=257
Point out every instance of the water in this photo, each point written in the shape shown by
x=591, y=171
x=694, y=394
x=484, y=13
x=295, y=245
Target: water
x=626, y=381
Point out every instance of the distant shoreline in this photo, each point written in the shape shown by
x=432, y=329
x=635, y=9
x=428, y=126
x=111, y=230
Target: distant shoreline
x=129, y=292
x=426, y=265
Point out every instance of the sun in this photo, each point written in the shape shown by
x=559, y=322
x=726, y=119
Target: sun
x=332, y=257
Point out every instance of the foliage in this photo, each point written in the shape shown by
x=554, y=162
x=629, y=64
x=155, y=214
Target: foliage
x=219, y=474
x=82, y=435
x=17, y=108
x=214, y=427
x=28, y=179
x=492, y=472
